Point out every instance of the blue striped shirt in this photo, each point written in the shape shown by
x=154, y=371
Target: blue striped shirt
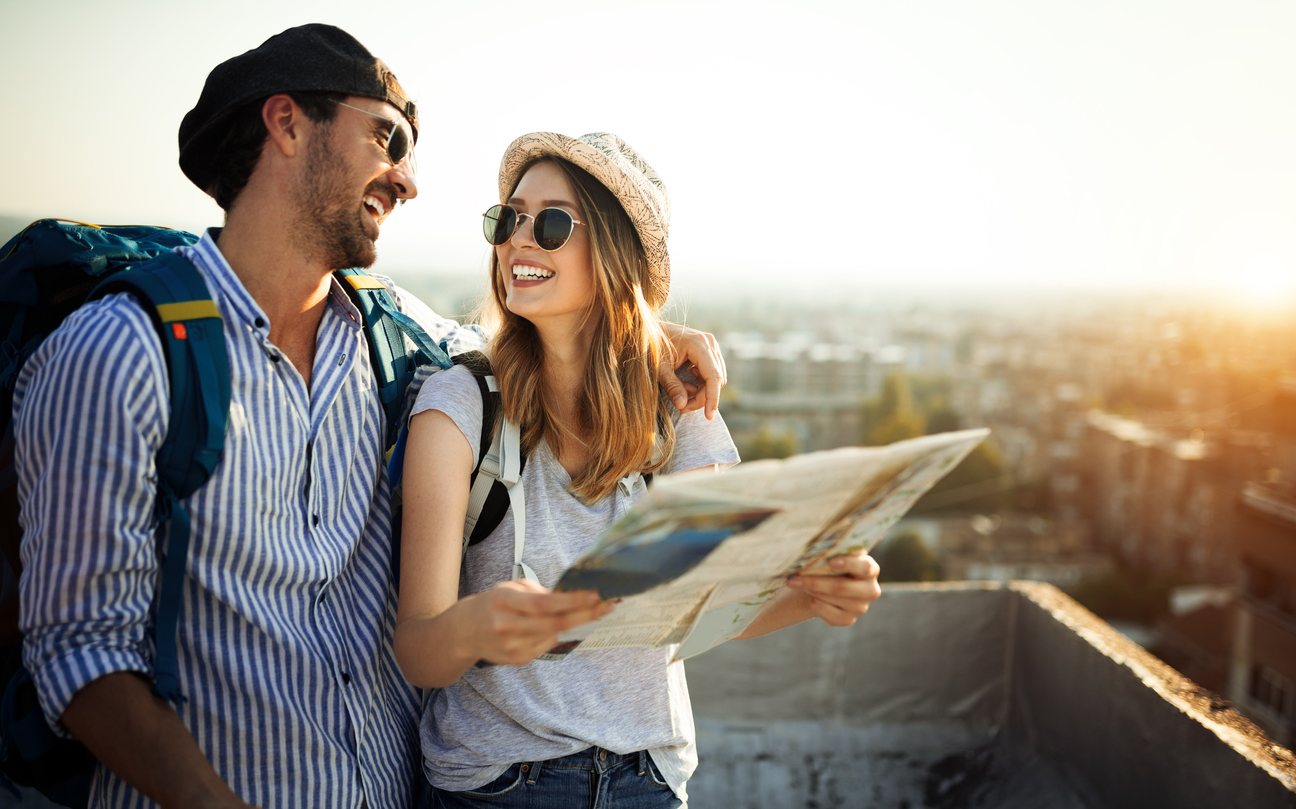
x=284, y=644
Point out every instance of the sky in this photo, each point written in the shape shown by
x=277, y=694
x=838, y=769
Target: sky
x=1127, y=144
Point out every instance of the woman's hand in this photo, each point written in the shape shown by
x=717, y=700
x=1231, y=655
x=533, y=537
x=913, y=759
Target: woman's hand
x=839, y=600
x=515, y=622
x=836, y=599
x=701, y=351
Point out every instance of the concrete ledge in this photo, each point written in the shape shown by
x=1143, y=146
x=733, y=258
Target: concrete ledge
x=1013, y=694
x=1135, y=730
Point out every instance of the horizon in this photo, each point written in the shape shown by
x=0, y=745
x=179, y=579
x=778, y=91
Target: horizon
x=454, y=293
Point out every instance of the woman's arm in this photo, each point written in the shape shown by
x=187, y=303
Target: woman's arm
x=838, y=600
x=438, y=635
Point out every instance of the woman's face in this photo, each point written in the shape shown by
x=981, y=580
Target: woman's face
x=546, y=288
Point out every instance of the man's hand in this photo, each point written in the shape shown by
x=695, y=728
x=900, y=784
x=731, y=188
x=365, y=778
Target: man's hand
x=839, y=600
x=700, y=351
x=515, y=622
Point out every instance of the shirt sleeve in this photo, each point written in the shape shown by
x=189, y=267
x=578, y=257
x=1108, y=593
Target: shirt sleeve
x=455, y=392
x=456, y=338
x=699, y=442
x=90, y=413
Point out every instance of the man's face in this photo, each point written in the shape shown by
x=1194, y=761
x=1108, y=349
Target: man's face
x=348, y=186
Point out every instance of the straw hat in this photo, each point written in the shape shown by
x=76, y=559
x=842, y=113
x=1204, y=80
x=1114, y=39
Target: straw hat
x=623, y=172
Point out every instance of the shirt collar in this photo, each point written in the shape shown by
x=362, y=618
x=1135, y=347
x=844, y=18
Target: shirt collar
x=218, y=271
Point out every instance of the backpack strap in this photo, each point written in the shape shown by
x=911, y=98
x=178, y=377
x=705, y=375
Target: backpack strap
x=193, y=342
x=387, y=326
x=486, y=475
x=502, y=467
x=488, y=495
x=496, y=483
x=510, y=445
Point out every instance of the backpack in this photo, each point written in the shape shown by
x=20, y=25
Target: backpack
x=496, y=480
x=47, y=271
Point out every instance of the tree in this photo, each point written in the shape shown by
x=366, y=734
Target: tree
x=891, y=416
x=979, y=483
x=941, y=418
x=905, y=558
x=1126, y=595
x=768, y=445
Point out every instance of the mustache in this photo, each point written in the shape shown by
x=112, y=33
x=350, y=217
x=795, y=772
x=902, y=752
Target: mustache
x=385, y=187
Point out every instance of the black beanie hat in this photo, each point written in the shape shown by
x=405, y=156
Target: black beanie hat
x=310, y=57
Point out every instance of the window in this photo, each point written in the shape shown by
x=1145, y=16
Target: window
x=1274, y=691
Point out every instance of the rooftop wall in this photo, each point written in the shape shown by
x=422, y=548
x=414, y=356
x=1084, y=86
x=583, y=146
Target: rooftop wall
x=960, y=695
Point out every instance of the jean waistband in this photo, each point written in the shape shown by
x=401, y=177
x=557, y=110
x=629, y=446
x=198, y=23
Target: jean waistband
x=591, y=758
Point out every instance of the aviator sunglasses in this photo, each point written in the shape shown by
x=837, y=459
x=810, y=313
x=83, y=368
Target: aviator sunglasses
x=399, y=140
x=552, y=226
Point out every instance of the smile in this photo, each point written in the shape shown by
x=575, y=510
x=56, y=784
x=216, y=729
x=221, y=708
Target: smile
x=375, y=206
x=527, y=272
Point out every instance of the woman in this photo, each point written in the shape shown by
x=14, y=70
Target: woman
x=579, y=272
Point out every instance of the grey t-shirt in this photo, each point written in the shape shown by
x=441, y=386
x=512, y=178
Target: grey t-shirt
x=622, y=700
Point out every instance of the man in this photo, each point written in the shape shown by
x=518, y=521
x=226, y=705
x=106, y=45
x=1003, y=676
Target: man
x=292, y=694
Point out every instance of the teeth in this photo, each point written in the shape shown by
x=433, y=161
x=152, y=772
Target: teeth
x=374, y=203
x=528, y=271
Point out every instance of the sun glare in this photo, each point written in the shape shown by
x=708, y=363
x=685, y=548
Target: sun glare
x=1266, y=283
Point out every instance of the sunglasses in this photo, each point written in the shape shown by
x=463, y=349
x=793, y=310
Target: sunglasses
x=552, y=226
x=400, y=141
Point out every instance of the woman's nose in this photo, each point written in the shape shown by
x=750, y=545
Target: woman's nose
x=524, y=232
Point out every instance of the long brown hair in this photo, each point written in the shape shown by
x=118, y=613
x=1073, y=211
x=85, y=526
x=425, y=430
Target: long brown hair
x=625, y=418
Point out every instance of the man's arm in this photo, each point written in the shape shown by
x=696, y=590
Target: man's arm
x=140, y=737
x=85, y=446
x=701, y=353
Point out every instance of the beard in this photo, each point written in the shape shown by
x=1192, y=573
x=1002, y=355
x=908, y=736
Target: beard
x=329, y=227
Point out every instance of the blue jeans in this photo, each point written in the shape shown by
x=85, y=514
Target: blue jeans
x=591, y=779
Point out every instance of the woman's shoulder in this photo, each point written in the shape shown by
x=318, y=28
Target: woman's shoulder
x=452, y=379
x=451, y=391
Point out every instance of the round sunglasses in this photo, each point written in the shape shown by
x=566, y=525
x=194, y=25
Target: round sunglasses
x=400, y=141
x=552, y=226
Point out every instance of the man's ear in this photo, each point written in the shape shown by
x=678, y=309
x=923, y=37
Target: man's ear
x=285, y=124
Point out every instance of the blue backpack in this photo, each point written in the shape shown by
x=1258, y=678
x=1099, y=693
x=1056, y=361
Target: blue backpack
x=47, y=272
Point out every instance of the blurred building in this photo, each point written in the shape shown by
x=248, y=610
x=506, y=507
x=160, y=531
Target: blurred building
x=1263, y=670
x=1197, y=635
x=1007, y=547
x=795, y=385
x=1163, y=504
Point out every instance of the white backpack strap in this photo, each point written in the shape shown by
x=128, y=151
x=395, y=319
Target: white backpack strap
x=503, y=462
x=627, y=483
x=487, y=474
x=512, y=477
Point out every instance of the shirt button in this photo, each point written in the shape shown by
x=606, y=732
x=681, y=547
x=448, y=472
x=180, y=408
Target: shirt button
x=260, y=323
x=341, y=360
x=314, y=519
x=346, y=678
